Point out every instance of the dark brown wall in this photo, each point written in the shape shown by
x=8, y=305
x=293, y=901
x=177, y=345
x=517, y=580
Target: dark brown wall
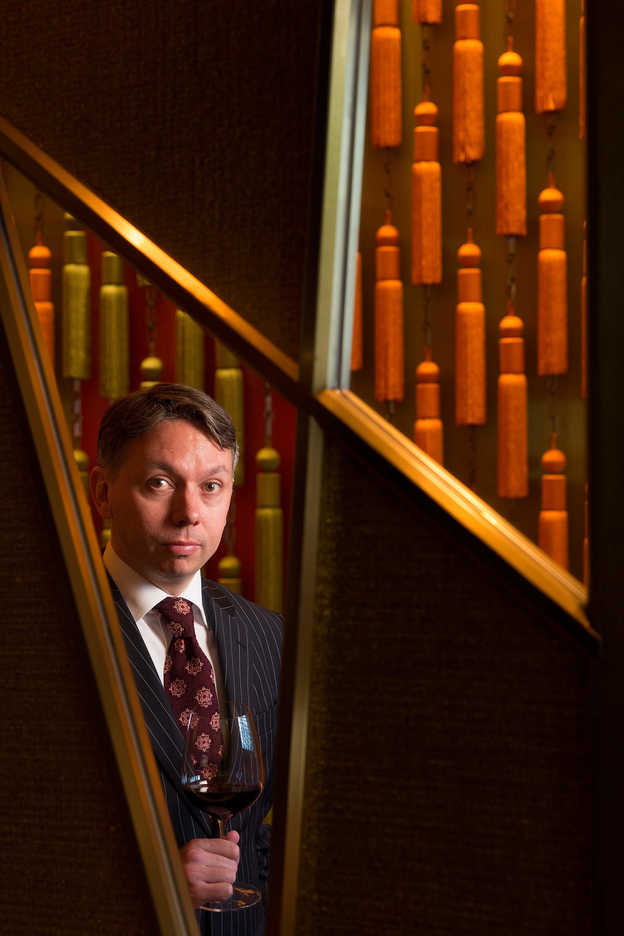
x=449, y=757
x=193, y=118
x=606, y=285
x=456, y=678
x=69, y=862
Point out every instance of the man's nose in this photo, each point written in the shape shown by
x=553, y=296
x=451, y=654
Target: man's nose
x=185, y=507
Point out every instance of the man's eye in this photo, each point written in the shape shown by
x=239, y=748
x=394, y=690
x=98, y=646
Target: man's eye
x=212, y=486
x=157, y=484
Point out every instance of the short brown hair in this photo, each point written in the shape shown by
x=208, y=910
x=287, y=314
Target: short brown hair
x=133, y=415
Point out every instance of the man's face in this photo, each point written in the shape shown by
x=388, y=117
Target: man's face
x=167, y=502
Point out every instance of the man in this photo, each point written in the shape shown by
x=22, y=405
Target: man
x=166, y=460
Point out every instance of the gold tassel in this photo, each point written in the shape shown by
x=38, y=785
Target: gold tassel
x=82, y=461
x=268, y=531
x=39, y=260
x=553, y=518
x=470, y=402
x=426, y=198
x=388, y=314
x=550, y=56
x=105, y=533
x=357, y=358
x=81, y=458
x=427, y=11
x=229, y=567
x=510, y=147
x=385, y=84
x=428, y=429
x=114, y=329
x=513, y=476
x=189, y=351
x=552, y=289
x=468, y=121
x=151, y=369
x=76, y=307
x=230, y=574
x=229, y=393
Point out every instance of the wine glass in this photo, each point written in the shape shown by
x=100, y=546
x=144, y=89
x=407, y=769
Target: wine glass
x=223, y=786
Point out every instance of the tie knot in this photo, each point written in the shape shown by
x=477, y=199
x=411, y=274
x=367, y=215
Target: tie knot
x=179, y=614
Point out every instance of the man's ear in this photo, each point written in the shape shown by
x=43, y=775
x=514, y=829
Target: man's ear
x=100, y=488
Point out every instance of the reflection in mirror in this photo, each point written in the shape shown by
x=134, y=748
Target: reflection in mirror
x=161, y=517
x=466, y=339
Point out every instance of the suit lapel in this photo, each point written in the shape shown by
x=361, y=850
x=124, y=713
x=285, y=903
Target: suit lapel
x=231, y=640
x=166, y=738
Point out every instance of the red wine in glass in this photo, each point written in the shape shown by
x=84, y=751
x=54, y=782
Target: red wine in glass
x=223, y=803
x=226, y=785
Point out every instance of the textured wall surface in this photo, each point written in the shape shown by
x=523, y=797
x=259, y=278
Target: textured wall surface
x=449, y=759
x=449, y=756
x=69, y=862
x=193, y=118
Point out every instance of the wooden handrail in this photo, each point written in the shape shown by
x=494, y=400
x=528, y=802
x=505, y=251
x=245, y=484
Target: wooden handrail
x=461, y=503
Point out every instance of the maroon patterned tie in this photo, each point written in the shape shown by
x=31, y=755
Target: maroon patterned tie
x=190, y=682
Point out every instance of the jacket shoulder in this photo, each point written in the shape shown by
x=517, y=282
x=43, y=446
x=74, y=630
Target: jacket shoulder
x=246, y=609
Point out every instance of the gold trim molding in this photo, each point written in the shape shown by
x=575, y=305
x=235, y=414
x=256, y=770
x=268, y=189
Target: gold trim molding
x=460, y=502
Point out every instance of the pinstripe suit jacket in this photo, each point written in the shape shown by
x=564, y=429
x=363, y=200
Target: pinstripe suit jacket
x=249, y=641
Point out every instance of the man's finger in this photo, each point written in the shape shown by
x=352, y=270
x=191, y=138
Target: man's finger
x=224, y=848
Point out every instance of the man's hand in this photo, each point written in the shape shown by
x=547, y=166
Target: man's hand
x=210, y=867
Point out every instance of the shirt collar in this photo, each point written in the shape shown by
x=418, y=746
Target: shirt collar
x=141, y=595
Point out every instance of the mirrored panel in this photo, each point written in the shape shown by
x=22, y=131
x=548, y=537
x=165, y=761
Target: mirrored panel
x=107, y=330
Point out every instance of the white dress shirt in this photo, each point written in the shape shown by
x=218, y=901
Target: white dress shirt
x=141, y=597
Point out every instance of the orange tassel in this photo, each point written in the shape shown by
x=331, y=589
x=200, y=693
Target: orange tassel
x=584, y=317
x=426, y=198
x=582, y=98
x=428, y=430
x=356, y=343
x=427, y=11
x=510, y=148
x=513, y=476
x=550, y=56
x=552, y=291
x=470, y=405
x=468, y=122
x=385, y=89
x=388, y=314
x=39, y=259
x=553, y=518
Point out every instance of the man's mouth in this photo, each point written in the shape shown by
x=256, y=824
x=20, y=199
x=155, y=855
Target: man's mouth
x=182, y=547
